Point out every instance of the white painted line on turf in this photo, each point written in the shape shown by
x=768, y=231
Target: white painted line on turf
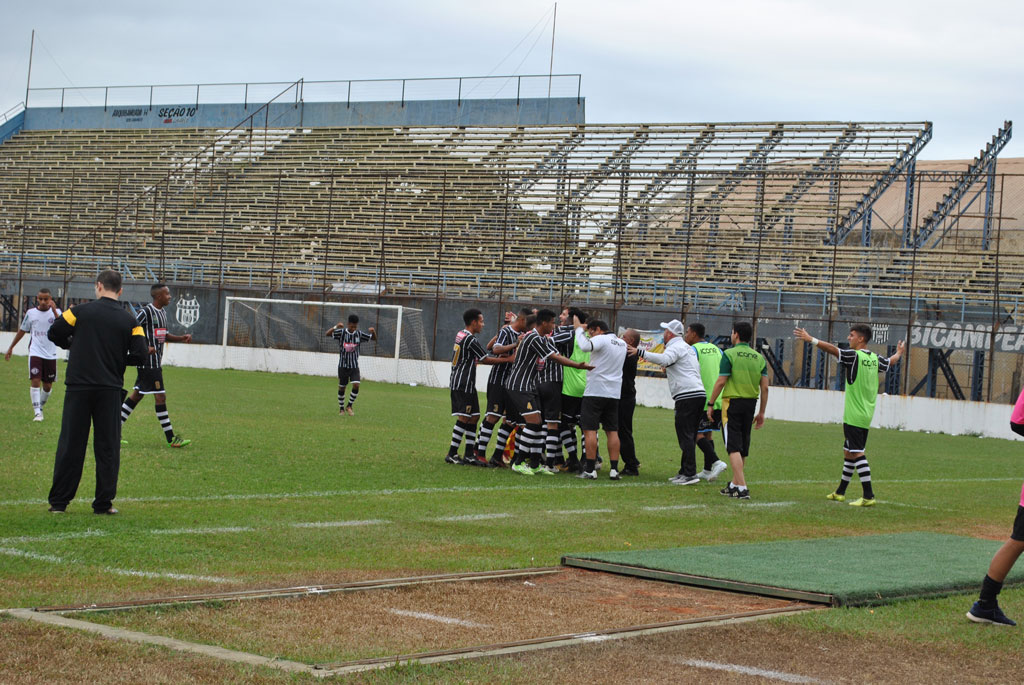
x=571, y=512
x=439, y=619
x=53, y=537
x=316, y=494
x=748, y=670
x=201, y=531
x=9, y=551
x=912, y=506
x=474, y=517
x=766, y=504
x=675, y=507
x=338, y=524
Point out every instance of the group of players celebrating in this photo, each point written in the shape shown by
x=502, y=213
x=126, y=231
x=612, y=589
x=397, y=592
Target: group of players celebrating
x=549, y=378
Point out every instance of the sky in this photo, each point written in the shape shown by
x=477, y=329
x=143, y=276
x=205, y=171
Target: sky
x=958, y=65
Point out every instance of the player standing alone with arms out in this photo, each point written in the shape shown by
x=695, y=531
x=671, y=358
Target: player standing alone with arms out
x=986, y=609
x=42, y=354
x=465, y=402
x=860, y=368
x=150, y=379
x=349, y=339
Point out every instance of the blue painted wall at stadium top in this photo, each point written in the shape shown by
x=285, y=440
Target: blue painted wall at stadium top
x=496, y=112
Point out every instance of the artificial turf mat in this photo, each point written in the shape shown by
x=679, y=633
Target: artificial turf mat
x=870, y=569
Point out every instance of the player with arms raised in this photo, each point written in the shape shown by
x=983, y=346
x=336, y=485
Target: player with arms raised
x=860, y=368
x=349, y=339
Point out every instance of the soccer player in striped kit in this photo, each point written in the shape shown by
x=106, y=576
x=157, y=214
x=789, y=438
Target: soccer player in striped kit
x=349, y=339
x=860, y=368
x=150, y=378
x=467, y=353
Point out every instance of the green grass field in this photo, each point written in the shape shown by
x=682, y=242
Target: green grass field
x=277, y=489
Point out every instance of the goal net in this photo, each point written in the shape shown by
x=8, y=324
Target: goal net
x=289, y=336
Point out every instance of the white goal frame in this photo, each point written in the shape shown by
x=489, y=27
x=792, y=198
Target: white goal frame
x=325, y=303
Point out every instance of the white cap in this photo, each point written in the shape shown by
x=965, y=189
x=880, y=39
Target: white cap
x=675, y=325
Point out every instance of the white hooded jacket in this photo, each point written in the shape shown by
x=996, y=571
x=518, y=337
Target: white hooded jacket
x=681, y=367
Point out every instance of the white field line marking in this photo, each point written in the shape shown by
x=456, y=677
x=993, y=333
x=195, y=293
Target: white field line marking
x=747, y=670
x=438, y=619
x=474, y=517
x=53, y=537
x=675, y=507
x=470, y=489
x=570, y=512
x=912, y=506
x=337, y=524
x=201, y=531
x=747, y=505
x=109, y=569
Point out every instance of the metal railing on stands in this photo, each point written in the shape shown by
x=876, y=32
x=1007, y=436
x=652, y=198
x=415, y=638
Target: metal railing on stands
x=518, y=86
x=12, y=112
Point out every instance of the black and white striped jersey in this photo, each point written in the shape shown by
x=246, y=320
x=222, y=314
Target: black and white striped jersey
x=533, y=348
x=468, y=351
x=348, y=346
x=499, y=372
x=154, y=324
x=549, y=371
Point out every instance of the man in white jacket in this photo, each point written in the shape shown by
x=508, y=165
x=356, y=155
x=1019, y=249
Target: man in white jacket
x=600, y=405
x=684, y=383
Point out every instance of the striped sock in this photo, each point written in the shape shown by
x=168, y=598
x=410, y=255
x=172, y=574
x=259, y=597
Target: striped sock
x=864, y=471
x=127, y=408
x=844, y=482
x=470, y=440
x=484, y=437
x=165, y=421
x=353, y=395
x=499, y=447
x=568, y=436
x=457, y=433
x=341, y=398
x=534, y=440
x=554, y=447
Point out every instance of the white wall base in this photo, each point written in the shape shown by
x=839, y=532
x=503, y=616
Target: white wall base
x=953, y=417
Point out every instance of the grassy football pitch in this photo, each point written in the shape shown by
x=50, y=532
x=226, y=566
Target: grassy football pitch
x=277, y=489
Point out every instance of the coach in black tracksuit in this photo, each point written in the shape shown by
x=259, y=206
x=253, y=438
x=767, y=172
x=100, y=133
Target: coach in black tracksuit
x=103, y=338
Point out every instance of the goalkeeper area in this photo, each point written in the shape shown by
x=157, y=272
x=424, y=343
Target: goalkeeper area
x=278, y=491
x=255, y=326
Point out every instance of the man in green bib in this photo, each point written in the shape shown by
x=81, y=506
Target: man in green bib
x=709, y=356
x=742, y=378
x=860, y=368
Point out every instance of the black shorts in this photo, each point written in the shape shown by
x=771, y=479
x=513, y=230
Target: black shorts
x=1018, y=526
x=740, y=425
x=519, y=404
x=596, y=412
x=150, y=381
x=713, y=424
x=40, y=369
x=346, y=376
x=571, y=409
x=495, y=399
x=856, y=438
x=550, y=395
x=465, y=404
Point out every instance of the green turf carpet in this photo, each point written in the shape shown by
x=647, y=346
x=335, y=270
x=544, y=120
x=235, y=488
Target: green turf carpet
x=854, y=570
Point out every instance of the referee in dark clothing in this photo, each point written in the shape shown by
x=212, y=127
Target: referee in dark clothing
x=103, y=339
x=627, y=405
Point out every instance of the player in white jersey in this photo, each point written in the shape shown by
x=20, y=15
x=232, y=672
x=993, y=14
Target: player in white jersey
x=42, y=354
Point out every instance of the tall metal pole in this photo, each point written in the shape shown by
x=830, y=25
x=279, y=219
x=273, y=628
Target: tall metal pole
x=551, y=63
x=28, y=81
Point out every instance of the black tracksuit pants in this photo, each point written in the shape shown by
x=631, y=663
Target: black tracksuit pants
x=688, y=415
x=627, y=448
x=100, y=408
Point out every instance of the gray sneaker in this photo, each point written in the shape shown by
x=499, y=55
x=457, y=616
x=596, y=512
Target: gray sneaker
x=686, y=480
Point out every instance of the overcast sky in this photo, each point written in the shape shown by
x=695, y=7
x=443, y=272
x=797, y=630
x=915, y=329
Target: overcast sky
x=959, y=65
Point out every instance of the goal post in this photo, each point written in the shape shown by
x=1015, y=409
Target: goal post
x=290, y=336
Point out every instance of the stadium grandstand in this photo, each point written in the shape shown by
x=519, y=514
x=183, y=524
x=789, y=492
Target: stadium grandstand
x=512, y=198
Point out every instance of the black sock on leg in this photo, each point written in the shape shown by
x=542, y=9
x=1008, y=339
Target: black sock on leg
x=989, y=598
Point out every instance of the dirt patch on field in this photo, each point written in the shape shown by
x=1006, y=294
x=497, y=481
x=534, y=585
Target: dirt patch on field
x=377, y=623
